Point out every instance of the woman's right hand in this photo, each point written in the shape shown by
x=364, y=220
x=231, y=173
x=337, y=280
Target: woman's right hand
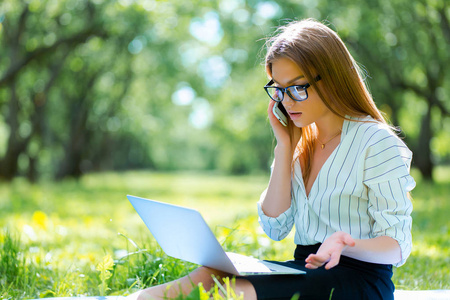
x=282, y=133
x=278, y=195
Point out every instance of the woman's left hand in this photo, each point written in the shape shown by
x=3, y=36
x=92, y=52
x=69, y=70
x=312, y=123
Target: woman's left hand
x=330, y=251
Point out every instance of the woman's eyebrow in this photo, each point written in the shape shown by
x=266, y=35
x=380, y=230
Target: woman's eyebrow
x=290, y=81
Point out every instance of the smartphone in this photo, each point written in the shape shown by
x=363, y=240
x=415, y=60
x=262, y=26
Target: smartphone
x=280, y=112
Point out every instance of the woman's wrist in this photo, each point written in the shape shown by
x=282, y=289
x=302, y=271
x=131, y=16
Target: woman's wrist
x=282, y=149
x=380, y=250
x=286, y=151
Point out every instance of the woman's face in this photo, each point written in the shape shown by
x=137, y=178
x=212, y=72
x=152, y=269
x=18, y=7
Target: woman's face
x=312, y=110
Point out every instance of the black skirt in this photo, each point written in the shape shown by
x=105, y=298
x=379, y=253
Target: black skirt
x=350, y=279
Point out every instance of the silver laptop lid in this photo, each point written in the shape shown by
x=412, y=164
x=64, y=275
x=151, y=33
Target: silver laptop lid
x=182, y=233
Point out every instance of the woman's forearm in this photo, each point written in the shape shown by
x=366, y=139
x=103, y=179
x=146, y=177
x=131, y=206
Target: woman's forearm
x=278, y=196
x=379, y=250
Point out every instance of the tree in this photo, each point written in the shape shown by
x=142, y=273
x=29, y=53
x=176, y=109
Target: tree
x=24, y=108
x=411, y=56
x=100, y=85
x=46, y=41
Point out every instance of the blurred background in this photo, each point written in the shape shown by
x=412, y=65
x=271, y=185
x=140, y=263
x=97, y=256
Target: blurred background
x=101, y=98
x=112, y=85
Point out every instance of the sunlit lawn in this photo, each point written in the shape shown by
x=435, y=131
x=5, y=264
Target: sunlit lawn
x=54, y=235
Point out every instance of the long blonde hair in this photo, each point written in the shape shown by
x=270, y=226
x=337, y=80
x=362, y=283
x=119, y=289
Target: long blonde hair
x=318, y=50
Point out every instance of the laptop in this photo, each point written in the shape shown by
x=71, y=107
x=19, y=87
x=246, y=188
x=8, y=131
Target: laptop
x=183, y=233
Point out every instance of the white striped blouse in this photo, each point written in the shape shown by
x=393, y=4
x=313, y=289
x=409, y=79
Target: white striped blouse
x=361, y=189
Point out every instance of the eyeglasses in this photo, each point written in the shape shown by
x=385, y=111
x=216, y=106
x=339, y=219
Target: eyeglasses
x=296, y=92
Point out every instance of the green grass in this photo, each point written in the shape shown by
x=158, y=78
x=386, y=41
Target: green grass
x=56, y=238
x=428, y=265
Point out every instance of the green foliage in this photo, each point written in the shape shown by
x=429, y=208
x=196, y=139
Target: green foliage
x=226, y=290
x=9, y=261
x=175, y=85
x=104, y=267
x=431, y=236
x=15, y=268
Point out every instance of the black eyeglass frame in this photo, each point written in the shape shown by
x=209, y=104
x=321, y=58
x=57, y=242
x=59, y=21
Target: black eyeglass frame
x=286, y=90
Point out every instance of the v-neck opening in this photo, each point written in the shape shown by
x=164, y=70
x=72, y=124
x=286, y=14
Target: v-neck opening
x=333, y=154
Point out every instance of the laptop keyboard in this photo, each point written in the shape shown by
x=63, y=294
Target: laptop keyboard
x=248, y=264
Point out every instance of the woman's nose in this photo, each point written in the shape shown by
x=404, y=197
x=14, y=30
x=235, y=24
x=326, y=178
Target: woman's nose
x=287, y=100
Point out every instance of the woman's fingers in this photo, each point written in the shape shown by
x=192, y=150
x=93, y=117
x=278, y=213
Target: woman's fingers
x=349, y=241
x=314, y=261
x=334, y=260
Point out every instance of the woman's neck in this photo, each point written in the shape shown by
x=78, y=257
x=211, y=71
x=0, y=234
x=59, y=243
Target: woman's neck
x=329, y=127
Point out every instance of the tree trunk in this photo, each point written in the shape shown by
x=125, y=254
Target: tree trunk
x=423, y=154
x=16, y=143
x=70, y=166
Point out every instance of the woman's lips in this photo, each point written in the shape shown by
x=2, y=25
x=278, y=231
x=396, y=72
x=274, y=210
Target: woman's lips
x=294, y=115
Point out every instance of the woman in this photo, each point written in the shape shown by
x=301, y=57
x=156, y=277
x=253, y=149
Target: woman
x=340, y=176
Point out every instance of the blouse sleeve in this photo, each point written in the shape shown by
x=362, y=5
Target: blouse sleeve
x=276, y=228
x=386, y=175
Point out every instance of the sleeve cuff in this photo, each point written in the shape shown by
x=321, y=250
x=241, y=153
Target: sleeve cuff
x=276, y=228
